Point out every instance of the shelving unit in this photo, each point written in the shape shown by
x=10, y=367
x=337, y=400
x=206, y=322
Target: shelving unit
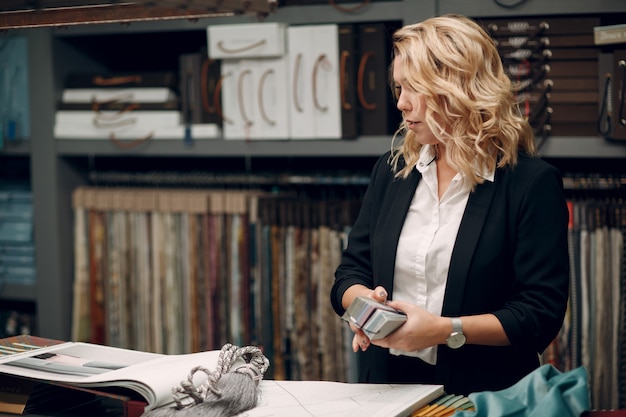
x=55, y=173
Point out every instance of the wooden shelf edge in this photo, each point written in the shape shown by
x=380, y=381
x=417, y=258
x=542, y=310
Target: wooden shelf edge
x=114, y=13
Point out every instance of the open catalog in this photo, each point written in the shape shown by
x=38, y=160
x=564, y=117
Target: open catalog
x=67, y=378
x=39, y=373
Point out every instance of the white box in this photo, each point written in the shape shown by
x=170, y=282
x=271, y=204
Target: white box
x=122, y=95
x=248, y=40
x=108, y=118
x=198, y=131
x=315, y=97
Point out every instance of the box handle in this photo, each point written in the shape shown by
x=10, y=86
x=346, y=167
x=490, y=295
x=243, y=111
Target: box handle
x=294, y=89
x=130, y=144
x=264, y=76
x=242, y=110
x=348, y=9
x=321, y=61
x=226, y=50
x=128, y=79
x=216, y=96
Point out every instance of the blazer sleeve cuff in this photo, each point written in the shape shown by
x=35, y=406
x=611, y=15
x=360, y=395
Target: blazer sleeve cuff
x=511, y=327
x=337, y=293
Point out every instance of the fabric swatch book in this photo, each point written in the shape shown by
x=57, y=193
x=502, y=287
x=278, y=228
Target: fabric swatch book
x=376, y=319
x=38, y=378
x=151, y=376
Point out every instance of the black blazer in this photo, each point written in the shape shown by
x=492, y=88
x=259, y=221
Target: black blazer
x=510, y=258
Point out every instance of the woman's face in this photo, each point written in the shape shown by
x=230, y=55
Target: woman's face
x=412, y=104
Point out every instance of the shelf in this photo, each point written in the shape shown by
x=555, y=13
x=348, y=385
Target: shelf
x=25, y=13
x=363, y=146
x=374, y=11
x=21, y=147
x=488, y=8
x=293, y=15
x=582, y=147
x=17, y=292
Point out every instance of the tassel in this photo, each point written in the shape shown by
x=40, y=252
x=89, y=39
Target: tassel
x=225, y=392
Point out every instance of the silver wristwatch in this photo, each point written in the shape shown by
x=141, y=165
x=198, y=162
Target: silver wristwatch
x=456, y=338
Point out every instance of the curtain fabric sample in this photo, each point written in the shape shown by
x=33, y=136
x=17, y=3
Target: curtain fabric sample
x=182, y=270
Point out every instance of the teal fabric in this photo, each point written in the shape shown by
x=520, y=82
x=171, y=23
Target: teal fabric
x=545, y=392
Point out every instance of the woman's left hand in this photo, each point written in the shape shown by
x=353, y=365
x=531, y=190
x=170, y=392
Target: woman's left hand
x=421, y=329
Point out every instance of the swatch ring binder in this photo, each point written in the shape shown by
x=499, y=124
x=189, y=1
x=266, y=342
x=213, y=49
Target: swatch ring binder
x=204, y=88
x=621, y=118
x=345, y=55
x=361, y=80
x=606, y=109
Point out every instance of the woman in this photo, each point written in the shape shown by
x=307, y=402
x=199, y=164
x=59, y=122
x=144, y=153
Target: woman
x=462, y=226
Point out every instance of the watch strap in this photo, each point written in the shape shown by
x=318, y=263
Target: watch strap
x=457, y=325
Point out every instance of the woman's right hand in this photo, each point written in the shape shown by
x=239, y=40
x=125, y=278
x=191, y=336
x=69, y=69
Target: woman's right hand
x=360, y=339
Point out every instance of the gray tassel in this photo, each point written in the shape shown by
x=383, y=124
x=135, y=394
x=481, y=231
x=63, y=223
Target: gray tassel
x=225, y=392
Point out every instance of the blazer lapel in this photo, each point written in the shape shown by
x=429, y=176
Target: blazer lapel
x=466, y=241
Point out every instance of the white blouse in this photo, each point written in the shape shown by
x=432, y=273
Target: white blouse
x=426, y=242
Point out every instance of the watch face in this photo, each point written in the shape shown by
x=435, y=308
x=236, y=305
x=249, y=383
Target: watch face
x=456, y=340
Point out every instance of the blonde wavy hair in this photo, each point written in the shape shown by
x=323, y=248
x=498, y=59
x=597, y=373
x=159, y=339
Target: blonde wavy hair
x=456, y=65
